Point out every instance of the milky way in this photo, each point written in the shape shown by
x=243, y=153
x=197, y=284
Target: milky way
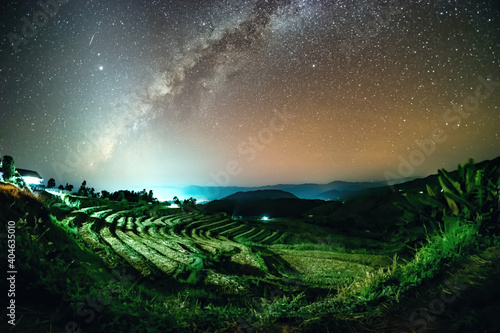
x=142, y=93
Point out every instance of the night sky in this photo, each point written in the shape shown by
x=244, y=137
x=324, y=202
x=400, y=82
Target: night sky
x=129, y=94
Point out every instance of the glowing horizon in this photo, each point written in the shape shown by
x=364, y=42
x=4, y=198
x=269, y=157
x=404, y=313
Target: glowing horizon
x=138, y=94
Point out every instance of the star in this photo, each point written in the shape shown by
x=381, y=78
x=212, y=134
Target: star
x=177, y=88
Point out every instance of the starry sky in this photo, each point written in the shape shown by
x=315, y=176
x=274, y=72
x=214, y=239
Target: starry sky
x=134, y=93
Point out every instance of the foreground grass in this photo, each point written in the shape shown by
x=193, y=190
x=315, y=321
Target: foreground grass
x=65, y=286
x=119, y=300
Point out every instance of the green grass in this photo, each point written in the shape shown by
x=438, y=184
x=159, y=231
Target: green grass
x=187, y=303
x=446, y=247
x=313, y=278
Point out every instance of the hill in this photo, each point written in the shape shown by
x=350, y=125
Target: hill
x=282, y=207
x=432, y=180
x=396, y=259
x=16, y=203
x=336, y=190
x=259, y=195
x=302, y=191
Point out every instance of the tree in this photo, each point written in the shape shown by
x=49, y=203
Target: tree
x=8, y=168
x=83, y=191
x=61, y=187
x=51, y=183
x=121, y=197
x=189, y=204
x=178, y=202
x=151, y=197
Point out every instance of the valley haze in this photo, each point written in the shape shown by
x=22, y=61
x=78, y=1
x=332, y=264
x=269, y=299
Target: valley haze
x=336, y=190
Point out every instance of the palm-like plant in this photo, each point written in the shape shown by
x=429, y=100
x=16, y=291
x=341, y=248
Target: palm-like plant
x=472, y=196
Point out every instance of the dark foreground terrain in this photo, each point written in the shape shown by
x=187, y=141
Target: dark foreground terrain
x=424, y=257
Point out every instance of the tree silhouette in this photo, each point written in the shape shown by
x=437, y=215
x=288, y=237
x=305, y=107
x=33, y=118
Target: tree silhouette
x=121, y=197
x=8, y=168
x=178, y=202
x=151, y=197
x=51, y=183
x=189, y=204
x=84, y=191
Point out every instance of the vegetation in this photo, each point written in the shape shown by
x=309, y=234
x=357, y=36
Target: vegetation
x=8, y=168
x=129, y=265
x=51, y=183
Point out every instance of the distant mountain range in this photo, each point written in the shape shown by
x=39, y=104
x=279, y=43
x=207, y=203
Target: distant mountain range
x=269, y=203
x=260, y=194
x=337, y=190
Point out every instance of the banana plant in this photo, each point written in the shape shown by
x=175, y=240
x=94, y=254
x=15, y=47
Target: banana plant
x=472, y=196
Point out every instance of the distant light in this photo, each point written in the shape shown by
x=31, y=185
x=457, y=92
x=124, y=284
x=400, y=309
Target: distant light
x=33, y=180
x=101, y=68
x=421, y=192
x=265, y=218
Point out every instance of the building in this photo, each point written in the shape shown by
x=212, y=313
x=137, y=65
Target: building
x=31, y=178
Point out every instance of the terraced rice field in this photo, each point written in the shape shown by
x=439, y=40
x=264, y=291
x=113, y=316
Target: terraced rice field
x=171, y=243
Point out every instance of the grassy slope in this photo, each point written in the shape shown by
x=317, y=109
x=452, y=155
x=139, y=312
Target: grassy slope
x=69, y=279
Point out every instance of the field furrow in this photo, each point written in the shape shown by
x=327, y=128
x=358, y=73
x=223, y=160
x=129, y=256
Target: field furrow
x=210, y=225
x=230, y=231
x=139, y=219
x=275, y=235
x=228, y=226
x=281, y=239
x=244, y=234
x=95, y=244
x=122, y=221
x=130, y=224
x=101, y=213
x=89, y=210
x=173, y=220
x=166, y=265
x=257, y=236
x=90, y=237
x=112, y=217
x=165, y=248
x=133, y=258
